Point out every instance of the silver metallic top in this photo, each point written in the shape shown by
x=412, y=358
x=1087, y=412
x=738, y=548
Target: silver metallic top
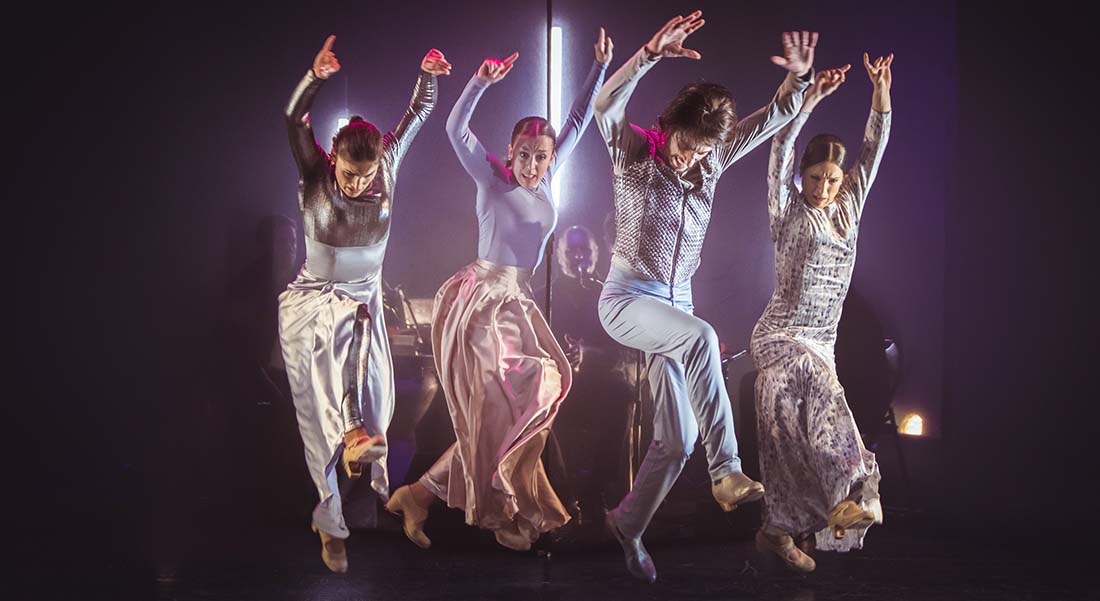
x=815, y=248
x=661, y=217
x=328, y=215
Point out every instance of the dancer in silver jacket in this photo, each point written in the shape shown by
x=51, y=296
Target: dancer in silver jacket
x=664, y=182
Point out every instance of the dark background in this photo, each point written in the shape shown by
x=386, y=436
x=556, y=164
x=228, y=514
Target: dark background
x=146, y=142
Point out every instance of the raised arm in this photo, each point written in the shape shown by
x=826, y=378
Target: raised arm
x=580, y=114
x=423, y=101
x=858, y=180
x=798, y=49
x=626, y=142
x=481, y=164
x=781, y=190
x=311, y=159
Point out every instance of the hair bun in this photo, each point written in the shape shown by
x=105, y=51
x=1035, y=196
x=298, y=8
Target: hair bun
x=359, y=140
x=702, y=114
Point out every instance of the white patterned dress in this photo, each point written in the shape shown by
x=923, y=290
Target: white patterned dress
x=811, y=454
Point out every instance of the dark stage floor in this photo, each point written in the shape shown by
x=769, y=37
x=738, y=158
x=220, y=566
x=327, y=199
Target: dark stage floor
x=906, y=559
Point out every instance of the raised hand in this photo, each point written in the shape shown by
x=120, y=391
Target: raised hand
x=828, y=81
x=435, y=63
x=493, y=70
x=325, y=63
x=604, y=48
x=880, y=75
x=798, y=52
x=879, y=71
x=669, y=41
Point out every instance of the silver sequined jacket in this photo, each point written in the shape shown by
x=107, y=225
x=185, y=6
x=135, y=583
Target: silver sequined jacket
x=328, y=215
x=661, y=217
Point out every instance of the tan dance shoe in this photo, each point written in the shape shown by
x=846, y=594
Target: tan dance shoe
x=736, y=489
x=333, y=551
x=403, y=503
x=848, y=514
x=511, y=538
x=361, y=449
x=783, y=546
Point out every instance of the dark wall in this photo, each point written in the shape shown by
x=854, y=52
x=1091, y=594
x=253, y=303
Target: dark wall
x=1019, y=414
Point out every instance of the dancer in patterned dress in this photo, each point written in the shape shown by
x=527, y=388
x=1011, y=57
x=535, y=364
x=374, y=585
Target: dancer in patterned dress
x=819, y=478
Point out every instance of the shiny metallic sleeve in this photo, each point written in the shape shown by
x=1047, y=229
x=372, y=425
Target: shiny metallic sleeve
x=421, y=105
x=625, y=141
x=311, y=159
x=751, y=131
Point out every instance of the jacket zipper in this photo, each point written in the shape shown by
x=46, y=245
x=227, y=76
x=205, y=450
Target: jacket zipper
x=676, y=249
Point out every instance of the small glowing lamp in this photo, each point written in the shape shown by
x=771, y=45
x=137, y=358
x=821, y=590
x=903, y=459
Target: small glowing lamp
x=912, y=425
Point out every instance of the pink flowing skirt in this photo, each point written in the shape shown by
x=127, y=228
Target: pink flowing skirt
x=505, y=377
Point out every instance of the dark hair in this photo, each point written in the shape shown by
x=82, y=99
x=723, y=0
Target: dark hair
x=358, y=141
x=703, y=114
x=532, y=126
x=823, y=147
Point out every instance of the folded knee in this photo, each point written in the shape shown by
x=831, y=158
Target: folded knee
x=675, y=450
x=703, y=337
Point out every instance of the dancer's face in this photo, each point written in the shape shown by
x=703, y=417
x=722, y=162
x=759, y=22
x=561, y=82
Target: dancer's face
x=530, y=156
x=354, y=177
x=821, y=182
x=682, y=157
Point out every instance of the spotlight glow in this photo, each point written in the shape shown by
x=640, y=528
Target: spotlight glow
x=913, y=425
x=341, y=122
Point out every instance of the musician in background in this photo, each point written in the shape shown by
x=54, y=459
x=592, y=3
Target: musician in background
x=589, y=428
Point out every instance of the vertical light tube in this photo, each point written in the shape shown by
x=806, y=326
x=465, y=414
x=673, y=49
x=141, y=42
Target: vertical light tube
x=555, y=99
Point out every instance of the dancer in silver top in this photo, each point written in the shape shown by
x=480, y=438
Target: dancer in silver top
x=330, y=318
